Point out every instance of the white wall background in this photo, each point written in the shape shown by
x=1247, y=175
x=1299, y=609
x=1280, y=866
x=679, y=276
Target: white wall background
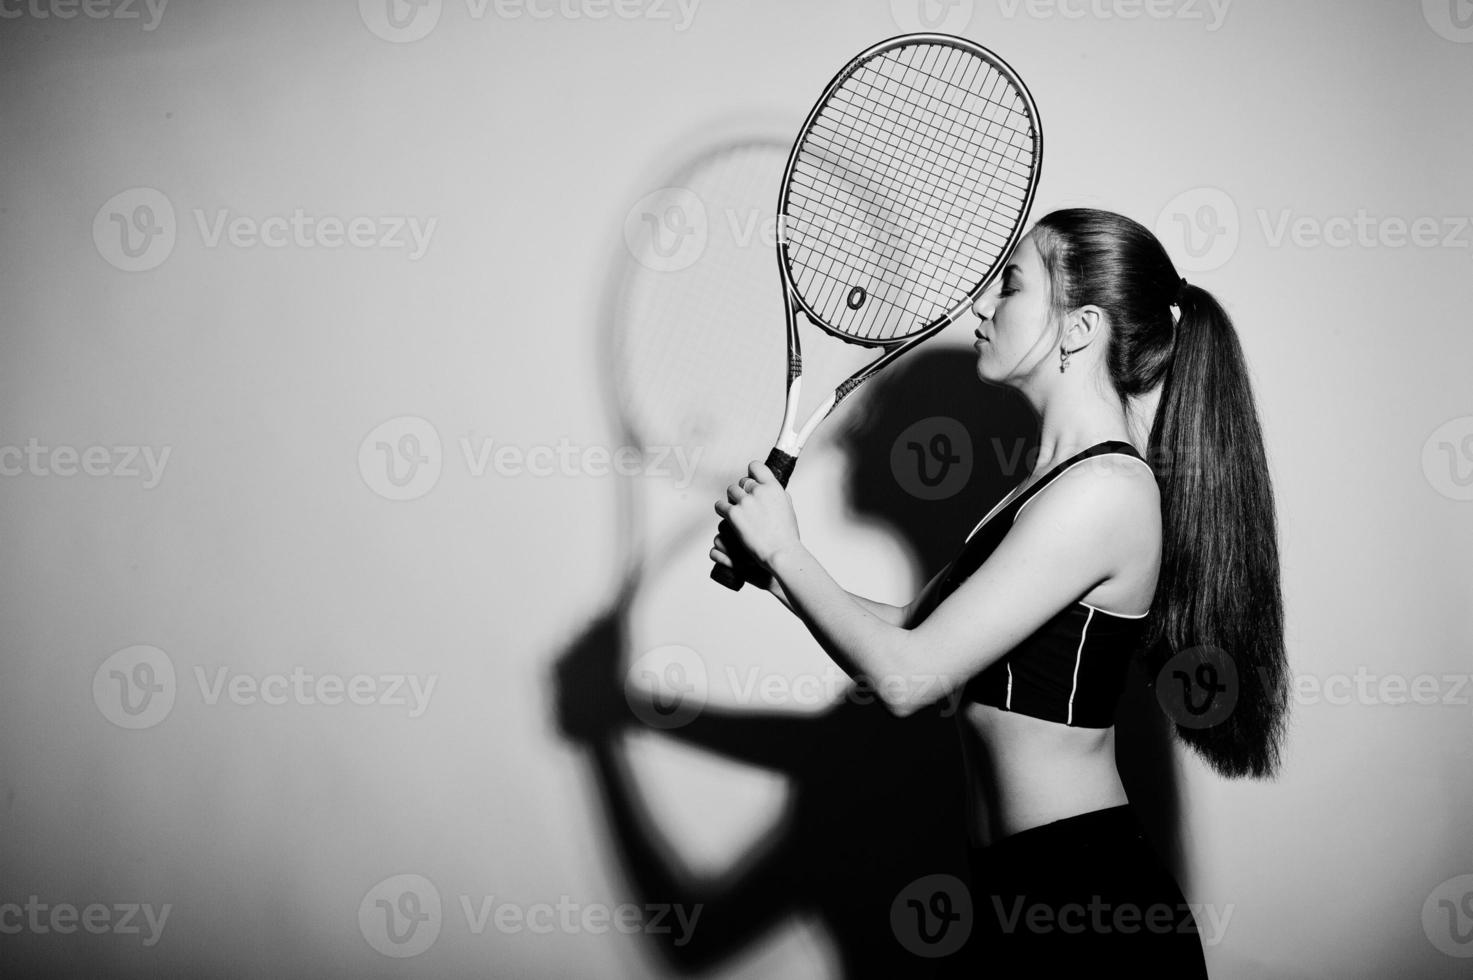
x=263, y=548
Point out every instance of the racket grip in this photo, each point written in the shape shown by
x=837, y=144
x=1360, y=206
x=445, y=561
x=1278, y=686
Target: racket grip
x=781, y=465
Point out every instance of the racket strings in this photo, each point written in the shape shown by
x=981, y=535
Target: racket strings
x=951, y=190
x=910, y=184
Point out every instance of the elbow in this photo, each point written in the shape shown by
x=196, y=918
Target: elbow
x=898, y=691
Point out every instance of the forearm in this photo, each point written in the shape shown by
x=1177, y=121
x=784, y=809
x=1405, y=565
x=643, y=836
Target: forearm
x=859, y=634
x=893, y=615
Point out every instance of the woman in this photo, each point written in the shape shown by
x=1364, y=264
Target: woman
x=1053, y=592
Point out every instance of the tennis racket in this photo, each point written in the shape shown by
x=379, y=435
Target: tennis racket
x=905, y=192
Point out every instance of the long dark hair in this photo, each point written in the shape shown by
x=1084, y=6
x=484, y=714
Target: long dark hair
x=1219, y=582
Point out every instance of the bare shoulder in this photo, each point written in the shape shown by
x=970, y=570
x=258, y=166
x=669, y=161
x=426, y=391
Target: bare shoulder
x=1115, y=495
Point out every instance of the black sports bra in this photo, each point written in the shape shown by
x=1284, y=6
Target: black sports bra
x=1071, y=670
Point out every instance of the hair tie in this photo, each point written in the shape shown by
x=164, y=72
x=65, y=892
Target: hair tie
x=1181, y=291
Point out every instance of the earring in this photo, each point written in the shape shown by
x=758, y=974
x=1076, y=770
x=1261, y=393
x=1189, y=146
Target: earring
x=1063, y=360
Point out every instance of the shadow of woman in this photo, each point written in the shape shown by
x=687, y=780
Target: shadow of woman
x=875, y=802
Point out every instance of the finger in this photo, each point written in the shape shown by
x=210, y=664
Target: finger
x=723, y=508
x=736, y=492
x=718, y=545
x=761, y=473
x=720, y=558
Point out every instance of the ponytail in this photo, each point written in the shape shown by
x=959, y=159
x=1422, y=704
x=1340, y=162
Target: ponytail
x=1219, y=584
x=1217, y=598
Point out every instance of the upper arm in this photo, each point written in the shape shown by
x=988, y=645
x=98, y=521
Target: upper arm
x=1062, y=544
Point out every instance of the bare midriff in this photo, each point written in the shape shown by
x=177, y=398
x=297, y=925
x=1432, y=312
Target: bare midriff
x=1023, y=772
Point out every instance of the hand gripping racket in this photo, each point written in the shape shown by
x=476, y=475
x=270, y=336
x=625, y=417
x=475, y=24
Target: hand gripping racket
x=905, y=193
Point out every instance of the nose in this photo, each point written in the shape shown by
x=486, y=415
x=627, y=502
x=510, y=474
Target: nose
x=984, y=305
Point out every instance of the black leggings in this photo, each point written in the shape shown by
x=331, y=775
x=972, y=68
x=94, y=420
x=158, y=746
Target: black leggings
x=1079, y=894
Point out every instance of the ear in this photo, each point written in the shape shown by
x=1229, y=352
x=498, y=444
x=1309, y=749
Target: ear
x=1083, y=327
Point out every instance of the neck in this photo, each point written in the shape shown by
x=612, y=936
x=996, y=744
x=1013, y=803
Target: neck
x=1074, y=417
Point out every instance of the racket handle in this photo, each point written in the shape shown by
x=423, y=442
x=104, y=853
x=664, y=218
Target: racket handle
x=781, y=465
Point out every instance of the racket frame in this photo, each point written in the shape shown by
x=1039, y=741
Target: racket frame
x=790, y=440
